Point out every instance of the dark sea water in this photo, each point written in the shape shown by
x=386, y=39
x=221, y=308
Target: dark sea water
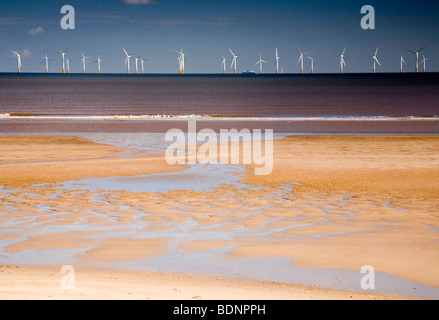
x=349, y=103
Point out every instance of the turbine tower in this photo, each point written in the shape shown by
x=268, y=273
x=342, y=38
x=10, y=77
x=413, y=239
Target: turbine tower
x=277, y=62
x=83, y=62
x=136, y=59
x=46, y=61
x=260, y=61
x=417, y=56
x=312, y=64
x=180, y=60
x=375, y=60
x=424, y=59
x=142, y=62
x=342, y=63
x=18, y=60
x=63, y=54
x=402, y=60
x=233, y=61
x=223, y=64
x=300, y=59
x=127, y=61
x=99, y=61
x=68, y=65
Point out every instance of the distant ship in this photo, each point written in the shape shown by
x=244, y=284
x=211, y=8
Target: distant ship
x=249, y=72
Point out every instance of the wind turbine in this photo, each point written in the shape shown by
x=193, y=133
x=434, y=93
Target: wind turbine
x=99, y=61
x=142, y=62
x=375, y=60
x=342, y=63
x=423, y=61
x=402, y=60
x=233, y=61
x=83, y=62
x=223, y=64
x=68, y=65
x=180, y=61
x=136, y=59
x=312, y=64
x=63, y=54
x=300, y=59
x=46, y=60
x=277, y=62
x=127, y=60
x=260, y=63
x=417, y=56
x=18, y=60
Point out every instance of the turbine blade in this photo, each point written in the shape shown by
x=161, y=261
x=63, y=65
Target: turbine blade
x=376, y=51
x=422, y=48
x=125, y=51
x=344, y=50
x=411, y=51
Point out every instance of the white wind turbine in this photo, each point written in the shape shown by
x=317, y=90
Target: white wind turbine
x=417, y=56
x=375, y=60
x=233, y=61
x=424, y=59
x=127, y=60
x=18, y=60
x=223, y=64
x=180, y=60
x=312, y=64
x=135, y=60
x=277, y=62
x=63, y=54
x=46, y=61
x=260, y=61
x=402, y=60
x=300, y=59
x=99, y=61
x=342, y=62
x=68, y=64
x=142, y=62
x=83, y=62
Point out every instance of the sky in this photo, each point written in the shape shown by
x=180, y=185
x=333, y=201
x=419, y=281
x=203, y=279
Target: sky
x=205, y=30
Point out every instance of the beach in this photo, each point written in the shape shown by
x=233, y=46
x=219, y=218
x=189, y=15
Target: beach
x=332, y=204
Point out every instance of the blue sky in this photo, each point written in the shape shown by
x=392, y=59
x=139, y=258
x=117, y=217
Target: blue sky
x=206, y=29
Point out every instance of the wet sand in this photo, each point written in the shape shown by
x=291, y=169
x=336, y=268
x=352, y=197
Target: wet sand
x=331, y=202
x=43, y=283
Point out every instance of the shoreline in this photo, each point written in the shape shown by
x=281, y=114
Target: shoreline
x=44, y=283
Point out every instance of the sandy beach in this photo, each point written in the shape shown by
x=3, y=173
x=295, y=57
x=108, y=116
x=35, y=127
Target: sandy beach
x=331, y=202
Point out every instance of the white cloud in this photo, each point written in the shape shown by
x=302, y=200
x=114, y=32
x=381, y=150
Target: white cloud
x=26, y=53
x=36, y=31
x=140, y=2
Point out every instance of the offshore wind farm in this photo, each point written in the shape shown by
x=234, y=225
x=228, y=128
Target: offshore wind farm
x=233, y=67
x=219, y=150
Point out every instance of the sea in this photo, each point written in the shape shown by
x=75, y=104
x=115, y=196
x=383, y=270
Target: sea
x=287, y=103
